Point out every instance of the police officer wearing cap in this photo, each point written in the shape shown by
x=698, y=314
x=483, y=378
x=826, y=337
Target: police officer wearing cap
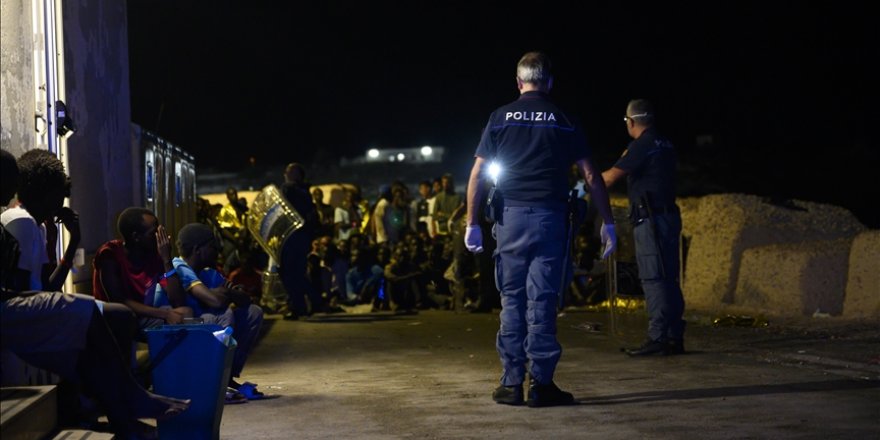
x=649, y=165
x=534, y=143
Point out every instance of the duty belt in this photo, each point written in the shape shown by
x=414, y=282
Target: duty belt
x=640, y=213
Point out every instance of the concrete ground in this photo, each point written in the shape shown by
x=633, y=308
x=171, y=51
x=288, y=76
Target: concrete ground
x=430, y=376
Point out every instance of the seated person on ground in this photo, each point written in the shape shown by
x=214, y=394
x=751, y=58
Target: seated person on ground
x=401, y=278
x=337, y=261
x=320, y=274
x=250, y=274
x=42, y=187
x=127, y=271
x=41, y=193
x=210, y=296
x=362, y=281
x=67, y=335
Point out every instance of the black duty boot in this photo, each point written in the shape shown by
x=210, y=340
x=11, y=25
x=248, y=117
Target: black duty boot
x=541, y=395
x=508, y=395
x=675, y=347
x=649, y=348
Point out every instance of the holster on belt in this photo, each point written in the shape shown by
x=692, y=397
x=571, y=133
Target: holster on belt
x=494, y=205
x=638, y=213
x=643, y=210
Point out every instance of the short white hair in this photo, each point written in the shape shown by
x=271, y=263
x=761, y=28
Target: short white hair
x=534, y=67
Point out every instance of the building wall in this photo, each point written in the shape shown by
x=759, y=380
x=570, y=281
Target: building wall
x=100, y=154
x=17, y=107
x=101, y=157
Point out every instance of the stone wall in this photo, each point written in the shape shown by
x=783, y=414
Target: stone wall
x=719, y=230
x=863, y=281
x=794, y=278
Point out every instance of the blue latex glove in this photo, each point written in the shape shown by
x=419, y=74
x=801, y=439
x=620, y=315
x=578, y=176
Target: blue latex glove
x=609, y=239
x=473, y=239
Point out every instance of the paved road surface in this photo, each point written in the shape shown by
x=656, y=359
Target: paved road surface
x=430, y=376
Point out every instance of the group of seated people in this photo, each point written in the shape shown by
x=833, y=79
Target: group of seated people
x=400, y=252
x=390, y=253
x=138, y=283
x=405, y=276
x=139, y=271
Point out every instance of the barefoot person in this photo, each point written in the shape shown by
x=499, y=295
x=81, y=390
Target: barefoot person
x=67, y=335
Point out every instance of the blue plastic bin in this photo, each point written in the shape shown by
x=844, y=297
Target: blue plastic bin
x=195, y=365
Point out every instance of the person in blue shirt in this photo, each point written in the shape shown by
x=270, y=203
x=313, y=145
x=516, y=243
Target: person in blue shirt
x=533, y=143
x=364, y=278
x=211, y=296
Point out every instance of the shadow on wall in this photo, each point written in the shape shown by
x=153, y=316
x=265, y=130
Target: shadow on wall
x=742, y=251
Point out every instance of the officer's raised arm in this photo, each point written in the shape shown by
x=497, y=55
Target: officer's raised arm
x=613, y=175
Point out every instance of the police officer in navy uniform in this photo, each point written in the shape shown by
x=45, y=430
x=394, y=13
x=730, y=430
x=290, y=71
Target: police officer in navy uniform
x=534, y=142
x=649, y=164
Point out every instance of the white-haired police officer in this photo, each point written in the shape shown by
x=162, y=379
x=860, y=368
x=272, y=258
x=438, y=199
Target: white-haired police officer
x=649, y=164
x=534, y=142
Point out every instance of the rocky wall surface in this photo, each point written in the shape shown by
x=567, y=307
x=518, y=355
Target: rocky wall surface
x=794, y=279
x=863, y=281
x=719, y=228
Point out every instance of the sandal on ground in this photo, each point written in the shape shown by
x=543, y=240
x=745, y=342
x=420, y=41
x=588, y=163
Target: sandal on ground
x=250, y=392
x=233, y=396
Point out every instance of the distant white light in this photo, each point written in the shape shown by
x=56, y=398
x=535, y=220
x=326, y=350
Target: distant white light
x=373, y=153
x=494, y=171
x=390, y=158
x=400, y=157
x=426, y=150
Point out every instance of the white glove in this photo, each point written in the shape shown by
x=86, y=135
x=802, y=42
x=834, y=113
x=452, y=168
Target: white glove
x=473, y=239
x=609, y=239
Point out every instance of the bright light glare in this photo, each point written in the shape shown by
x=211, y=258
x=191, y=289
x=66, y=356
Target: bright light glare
x=494, y=171
x=400, y=157
x=373, y=153
x=426, y=151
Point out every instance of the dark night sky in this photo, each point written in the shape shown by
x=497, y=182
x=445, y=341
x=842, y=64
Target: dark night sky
x=782, y=89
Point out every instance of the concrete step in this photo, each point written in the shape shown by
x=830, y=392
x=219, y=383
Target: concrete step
x=28, y=412
x=82, y=434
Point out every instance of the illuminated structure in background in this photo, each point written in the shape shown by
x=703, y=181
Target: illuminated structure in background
x=168, y=179
x=423, y=154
